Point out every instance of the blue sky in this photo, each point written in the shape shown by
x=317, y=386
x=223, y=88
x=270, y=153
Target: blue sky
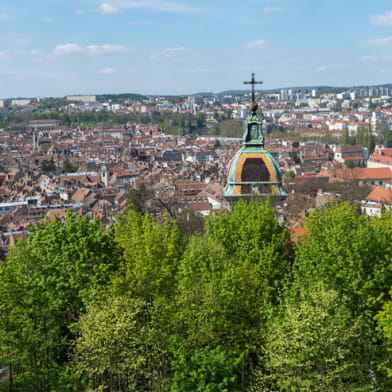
x=60, y=47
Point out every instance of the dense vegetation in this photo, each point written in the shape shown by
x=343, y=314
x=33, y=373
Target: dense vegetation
x=146, y=307
x=172, y=123
x=231, y=128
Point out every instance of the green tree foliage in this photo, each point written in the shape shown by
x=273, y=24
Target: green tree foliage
x=44, y=286
x=141, y=308
x=388, y=138
x=290, y=174
x=200, y=119
x=253, y=234
x=218, y=311
x=138, y=307
x=150, y=253
x=384, y=319
x=207, y=369
x=365, y=138
x=352, y=255
x=348, y=252
x=350, y=164
x=138, y=198
x=48, y=166
x=217, y=144
x=170, y=122
x=345, y=138
x=68, y=167
x=118, y=349
x=313, y=346
x=232, y=128
x=296, y=158
x=227, y=284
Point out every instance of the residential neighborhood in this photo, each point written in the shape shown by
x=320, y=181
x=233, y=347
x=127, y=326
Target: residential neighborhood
x=48, y=167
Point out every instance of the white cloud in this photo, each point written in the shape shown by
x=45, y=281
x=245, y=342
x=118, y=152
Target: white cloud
x=47, y=19
x=35, y=52
x=3, y=16
x=66, y=49
x=372, y=59
x=108, y=9
x=169, y=53
x=257, y=44
x=329, y=67
x=79, y=12
x=382, y=20
x=368, y=59
x=107, y=71
x=104, y=49
x=4, y=55
x=275, y=10
x=376, y=42
x=159, y=5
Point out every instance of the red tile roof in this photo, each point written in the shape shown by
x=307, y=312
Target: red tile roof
x=362, y=173
x=382, y=195
x=60, y=213
x=297, y=233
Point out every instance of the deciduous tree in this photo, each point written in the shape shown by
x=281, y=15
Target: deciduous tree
x=44, y=286
x=314, y=345
x=118, y=348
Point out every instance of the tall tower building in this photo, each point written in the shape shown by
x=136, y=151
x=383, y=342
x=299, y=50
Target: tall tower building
x=253, y=171
x=35, y=140
x=105, y=176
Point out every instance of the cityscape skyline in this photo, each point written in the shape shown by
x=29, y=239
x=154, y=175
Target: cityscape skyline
x=58, y=48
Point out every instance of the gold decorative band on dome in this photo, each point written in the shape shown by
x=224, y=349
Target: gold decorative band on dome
x=240, y=165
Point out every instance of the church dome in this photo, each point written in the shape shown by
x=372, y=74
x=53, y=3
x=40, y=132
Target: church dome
x=253, y=171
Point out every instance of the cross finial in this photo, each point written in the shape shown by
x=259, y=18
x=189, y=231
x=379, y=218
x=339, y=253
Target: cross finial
x=253, y=82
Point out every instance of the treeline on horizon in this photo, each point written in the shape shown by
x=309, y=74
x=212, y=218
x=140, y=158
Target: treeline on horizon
x=172, y=123
x=190, y=124
x=146, y=307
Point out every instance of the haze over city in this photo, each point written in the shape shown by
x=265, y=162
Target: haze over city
x=58, y=47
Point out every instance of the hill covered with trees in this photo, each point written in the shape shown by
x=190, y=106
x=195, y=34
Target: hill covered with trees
x=146, y=307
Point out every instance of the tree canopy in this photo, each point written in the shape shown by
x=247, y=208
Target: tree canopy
x=146, y=306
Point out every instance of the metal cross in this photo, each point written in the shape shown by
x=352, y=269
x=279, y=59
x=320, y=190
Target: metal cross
x=253, y=82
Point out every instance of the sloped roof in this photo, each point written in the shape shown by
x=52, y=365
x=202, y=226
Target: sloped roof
x=61, y=213
x=80, y=194
x=382, y=195
x=362, y=173
x=200, y=206
x=350, y=148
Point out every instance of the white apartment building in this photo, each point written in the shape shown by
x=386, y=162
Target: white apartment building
x=82, y=98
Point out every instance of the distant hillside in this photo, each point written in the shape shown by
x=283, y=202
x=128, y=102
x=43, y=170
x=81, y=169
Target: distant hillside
x=236, y=92
x=106, y=97
x=276, y=90
x=203, y=94
x=231, y=128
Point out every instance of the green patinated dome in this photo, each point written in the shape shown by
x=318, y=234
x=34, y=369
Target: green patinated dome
x=253, y=171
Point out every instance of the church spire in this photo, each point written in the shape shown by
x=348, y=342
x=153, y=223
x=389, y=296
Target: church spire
x=253, y=133
x=254, y=105
x=253, y=171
